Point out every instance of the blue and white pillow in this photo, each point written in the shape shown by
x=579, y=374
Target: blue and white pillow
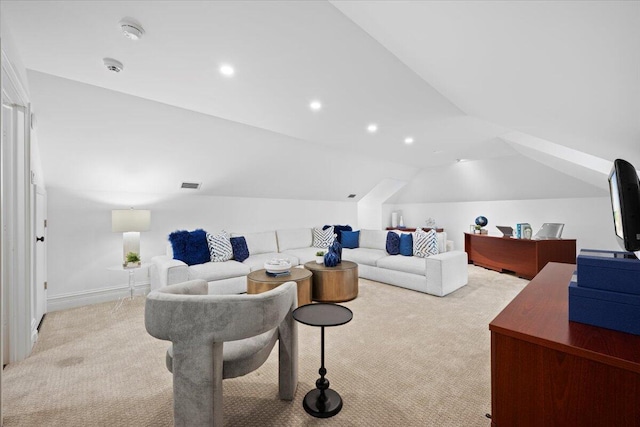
x=323, y=238
x=425, y=243
x=219, y=246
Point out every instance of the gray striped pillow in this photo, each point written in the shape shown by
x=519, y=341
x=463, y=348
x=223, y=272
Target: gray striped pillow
x=322, y=238
x=220, y=246
x=425, y=243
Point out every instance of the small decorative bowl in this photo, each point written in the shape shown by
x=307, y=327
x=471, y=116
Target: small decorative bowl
x=277, y=265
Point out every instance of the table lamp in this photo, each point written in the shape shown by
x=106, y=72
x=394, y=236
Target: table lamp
x=130, y=222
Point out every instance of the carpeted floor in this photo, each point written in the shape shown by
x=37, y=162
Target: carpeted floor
x=406, y=359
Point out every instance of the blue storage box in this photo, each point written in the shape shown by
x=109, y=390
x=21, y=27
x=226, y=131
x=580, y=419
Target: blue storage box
x=609, y=271
x=611, y=310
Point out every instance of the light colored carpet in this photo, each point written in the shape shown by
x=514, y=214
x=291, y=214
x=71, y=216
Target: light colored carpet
x=406, y=359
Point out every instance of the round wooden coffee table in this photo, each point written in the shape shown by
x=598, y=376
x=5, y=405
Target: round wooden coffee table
x=259, y=281
x=334, y=284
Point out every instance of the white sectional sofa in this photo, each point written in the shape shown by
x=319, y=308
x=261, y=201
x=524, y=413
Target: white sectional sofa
x=436, y=275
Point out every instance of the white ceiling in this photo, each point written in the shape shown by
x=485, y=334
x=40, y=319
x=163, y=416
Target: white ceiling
x=456, y=76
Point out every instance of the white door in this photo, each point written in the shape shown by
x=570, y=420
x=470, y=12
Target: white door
x=40, y=282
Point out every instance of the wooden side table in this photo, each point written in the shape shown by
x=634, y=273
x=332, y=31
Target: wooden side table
x=334, y=284
x=259, y=281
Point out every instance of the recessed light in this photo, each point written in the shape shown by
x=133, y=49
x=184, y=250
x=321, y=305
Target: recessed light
x=227, y=70
x=131, y=29
x=315, y=105
x=372, y=128
x=408, y=140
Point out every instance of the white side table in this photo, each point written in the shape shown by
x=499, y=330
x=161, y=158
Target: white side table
x=132, y=273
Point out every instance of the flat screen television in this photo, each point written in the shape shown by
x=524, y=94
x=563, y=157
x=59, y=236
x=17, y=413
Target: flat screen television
x=624, y=187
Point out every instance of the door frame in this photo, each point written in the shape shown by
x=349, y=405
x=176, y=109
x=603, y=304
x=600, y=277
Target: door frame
x=17, y=195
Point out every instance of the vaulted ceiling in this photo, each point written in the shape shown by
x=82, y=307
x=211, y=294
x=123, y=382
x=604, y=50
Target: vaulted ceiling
x=532, y=94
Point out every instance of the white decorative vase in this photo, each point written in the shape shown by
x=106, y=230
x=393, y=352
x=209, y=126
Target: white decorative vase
x=394, y=219
x=401, y=221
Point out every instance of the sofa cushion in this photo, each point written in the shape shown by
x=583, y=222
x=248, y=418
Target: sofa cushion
x=393, y=243
x=407, y=264
x=260, y=243
x=363, y=255
x=256, y=262
x=303, y=255
x=373, y=239
x=406, y=244
x=190, y=247
x=220, y=247
x=294, y=238
x=350, y=239
x=338, y=229
x=240, y=249
x=211, y=271
x=323, y=238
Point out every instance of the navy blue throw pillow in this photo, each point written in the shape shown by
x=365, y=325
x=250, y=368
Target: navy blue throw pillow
x=350, y=239
x=393, y=243
x=240, y=249
x=406, y=244
x=338, y=229
x=190, y=247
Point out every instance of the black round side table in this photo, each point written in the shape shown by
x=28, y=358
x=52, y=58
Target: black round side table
x=322, y=402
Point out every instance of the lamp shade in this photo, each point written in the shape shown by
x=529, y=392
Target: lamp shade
x=126, y=220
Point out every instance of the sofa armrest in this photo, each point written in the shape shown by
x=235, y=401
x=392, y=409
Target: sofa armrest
x=167, y=271
x=446, y=272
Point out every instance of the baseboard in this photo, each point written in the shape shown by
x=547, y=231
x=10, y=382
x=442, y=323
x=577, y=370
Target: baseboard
x=94, y=296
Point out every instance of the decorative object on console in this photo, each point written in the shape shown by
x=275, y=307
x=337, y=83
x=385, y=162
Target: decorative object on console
x=394, y=219
x=393, y=243
x=430, y=223
x=220, y=248
x=130, y=222
x=338, y=229
x=240, y=249
x=190, y=247
x=323, y=238
x=406, y=244
x=521, y=232
x=401, y=224
x=482, y=221
x=320, y=257
x=337, y=247
x=350, y=239
x=331, y=258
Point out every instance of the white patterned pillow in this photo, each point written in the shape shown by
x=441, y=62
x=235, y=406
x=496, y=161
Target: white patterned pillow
x=425, y=243
x=219, y=246
x=323, y=238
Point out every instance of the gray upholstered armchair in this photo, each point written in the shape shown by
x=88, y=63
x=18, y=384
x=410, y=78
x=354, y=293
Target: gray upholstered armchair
x=221, y=336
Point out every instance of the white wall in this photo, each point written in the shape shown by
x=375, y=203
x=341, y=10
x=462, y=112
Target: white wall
x=81, y=246
x=586, y=219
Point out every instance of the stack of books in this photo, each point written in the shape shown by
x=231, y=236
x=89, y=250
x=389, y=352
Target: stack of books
x=279, y=273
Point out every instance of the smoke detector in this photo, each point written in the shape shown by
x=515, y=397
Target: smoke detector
x=113, y=65
x=131, y=29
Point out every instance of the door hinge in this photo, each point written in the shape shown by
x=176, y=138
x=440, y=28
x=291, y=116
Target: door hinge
x=45, y=223
x=45, y=286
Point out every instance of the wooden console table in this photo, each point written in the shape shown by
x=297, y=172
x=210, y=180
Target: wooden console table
x=547, y=371
x=523, y=257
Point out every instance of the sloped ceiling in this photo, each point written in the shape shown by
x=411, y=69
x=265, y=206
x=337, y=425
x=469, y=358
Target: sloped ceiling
x=454, y=76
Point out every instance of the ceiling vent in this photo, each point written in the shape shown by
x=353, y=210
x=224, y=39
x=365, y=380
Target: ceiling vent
x=351, y=196
x=113, y=65
x=191, y=185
